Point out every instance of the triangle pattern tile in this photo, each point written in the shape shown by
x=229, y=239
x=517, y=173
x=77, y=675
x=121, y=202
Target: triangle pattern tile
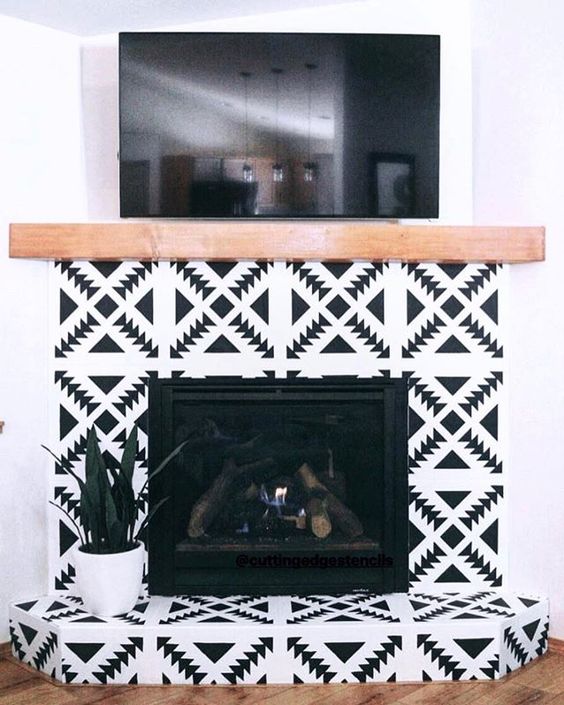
x=451, y=316
x=333, y=315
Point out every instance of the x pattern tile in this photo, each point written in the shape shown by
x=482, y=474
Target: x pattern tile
x=117, y=324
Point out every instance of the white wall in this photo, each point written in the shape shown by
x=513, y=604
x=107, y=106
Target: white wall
x=518, y=167
x=40, y=179
x=444, y=17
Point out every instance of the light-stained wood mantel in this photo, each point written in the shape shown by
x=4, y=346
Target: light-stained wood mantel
x=305, y=240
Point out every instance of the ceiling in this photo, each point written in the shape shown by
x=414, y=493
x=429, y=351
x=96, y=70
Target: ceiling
x=89, y=17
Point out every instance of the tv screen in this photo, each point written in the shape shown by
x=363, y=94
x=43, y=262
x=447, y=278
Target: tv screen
x=251, y=125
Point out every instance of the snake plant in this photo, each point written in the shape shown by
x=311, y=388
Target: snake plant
x=109, y=511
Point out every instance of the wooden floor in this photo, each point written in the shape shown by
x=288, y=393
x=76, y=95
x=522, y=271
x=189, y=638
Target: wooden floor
x=540, y=682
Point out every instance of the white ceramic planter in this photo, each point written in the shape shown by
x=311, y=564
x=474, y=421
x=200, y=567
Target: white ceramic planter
x=109, y=583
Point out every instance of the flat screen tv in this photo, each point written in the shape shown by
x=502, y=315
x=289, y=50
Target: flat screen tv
x=255, y=125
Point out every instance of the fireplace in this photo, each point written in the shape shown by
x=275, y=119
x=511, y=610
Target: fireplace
x=281, y=486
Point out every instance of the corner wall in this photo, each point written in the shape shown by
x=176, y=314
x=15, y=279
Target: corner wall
x=40, y=179
x=518, y=158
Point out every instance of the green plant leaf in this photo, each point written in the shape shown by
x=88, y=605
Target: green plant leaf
x=91, y=512
x=149, y=516
x=65, y=466
x=93, y=460
x=127, y=465
x=162, y=466
x=76, y=526
x=113, y=525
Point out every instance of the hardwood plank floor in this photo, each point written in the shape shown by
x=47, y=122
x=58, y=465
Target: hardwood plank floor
x=541, y=682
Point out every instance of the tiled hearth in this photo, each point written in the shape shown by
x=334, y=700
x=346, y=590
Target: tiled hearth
x=116, y=325
x=317, y=639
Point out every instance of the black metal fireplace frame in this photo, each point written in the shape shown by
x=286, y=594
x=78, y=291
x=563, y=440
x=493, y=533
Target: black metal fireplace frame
x=170, y=574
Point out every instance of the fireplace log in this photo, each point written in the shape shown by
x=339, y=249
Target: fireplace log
x=318, y=518
x=206, y=509
x=343, y=517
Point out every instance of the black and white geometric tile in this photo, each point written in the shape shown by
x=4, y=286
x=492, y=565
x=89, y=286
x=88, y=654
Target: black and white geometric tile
x=355, y=638
x=114, y=325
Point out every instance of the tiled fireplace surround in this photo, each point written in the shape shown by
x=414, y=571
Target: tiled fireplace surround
x=114, y=325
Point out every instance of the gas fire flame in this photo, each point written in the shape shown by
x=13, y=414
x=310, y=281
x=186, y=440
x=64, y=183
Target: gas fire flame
x=280, y=495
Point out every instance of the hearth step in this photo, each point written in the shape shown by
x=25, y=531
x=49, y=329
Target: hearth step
x=352, y=638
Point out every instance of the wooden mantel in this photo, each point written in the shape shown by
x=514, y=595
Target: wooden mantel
x=329, y=241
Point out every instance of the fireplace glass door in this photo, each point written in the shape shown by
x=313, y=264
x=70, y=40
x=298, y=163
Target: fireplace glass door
x=280, y=486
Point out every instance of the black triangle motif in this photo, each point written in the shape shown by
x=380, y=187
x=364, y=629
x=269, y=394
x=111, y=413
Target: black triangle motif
x=260, y=306
x=415, y=422
x=489, y=307
x=415, y=536
x=84, y=651
x=473, y=647
x=529, y=629
x=453, y=497
x=500, y=602
x=414, y=307
x=337, y=269
x=66, y=422
x=469, y=615
x=26, y=606
x=66, y=307
x=299, y=606
x=89, y=618
x=106, y=383
x=452, y=384
x=222, y=269
x=528, y=602
x=299, y=307
x=376, y=306
x=452, y=575
x=452, y=270
x=145, y=306
x=452, y=345
x=28, y=632
x=490, y=536
x=56, y=605
x=343, y=650
x=106, y=269
x=106, y=345
x=337, y=345
x=67, y=538
x=214, y=651
x=177, y=607
x=183, y=306
x=489, y=422
x=418, y=605
x=452, y=461
x=381, y=605
x=222, y=345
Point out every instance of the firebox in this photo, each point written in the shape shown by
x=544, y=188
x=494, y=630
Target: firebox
x=281, y=486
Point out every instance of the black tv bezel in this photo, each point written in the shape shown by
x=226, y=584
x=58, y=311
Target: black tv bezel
x=281, y=218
